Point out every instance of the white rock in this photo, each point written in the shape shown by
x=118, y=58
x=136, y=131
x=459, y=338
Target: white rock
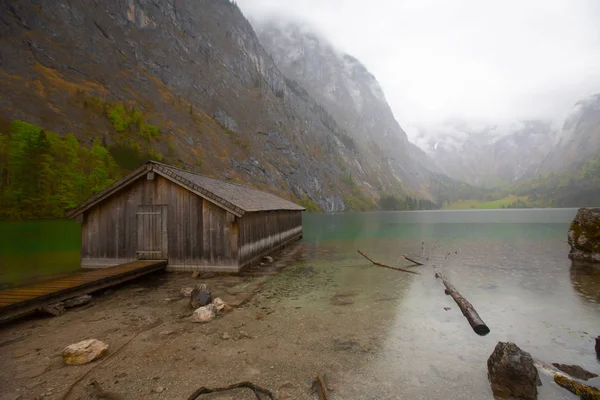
x=220, y=305
x=204, y=314
x=84, y=352
x=186, y=291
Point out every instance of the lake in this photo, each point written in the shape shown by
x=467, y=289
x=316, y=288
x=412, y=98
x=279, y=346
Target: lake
x=396, y=340
x=383, y=334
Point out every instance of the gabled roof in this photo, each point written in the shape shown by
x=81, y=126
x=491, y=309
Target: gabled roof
x=235, y=198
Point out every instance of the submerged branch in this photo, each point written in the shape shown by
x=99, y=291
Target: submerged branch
x=411, y=260
x=386, y=266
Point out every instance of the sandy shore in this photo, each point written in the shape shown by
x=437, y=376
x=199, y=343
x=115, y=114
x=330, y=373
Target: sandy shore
x=155, y=352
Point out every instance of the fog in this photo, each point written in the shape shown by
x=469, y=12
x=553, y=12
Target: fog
x=471, y=60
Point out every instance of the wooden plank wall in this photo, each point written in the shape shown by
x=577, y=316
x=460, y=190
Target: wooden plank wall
x=260, y=232
x=109, y=230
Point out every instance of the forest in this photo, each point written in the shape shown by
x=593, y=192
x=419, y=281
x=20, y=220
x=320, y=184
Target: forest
x=43, y=174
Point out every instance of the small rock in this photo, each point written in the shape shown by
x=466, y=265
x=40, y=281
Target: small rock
x=244, y=335
x=598, y=347
x=78, y=301
x=195, y=274
x=512, y=373
x=268, y=259
x=158, y=389
x=56, y=309
x=204, y=314
x=447, y=308
x=575, y=371
x=84, y=352
x=186, y=291
x=11, y=396
x=200, y=296
x=220, y=305
x=225, y=336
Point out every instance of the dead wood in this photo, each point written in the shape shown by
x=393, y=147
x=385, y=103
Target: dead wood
x=320, y=387
x=582, y=390
x=467, y=308
x=386, y=266
x=241, y=385
x=411, y=260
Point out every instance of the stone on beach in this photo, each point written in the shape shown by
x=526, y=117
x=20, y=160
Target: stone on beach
x=84, y=352
x=584, y=236
x=204, y=314
x=200, y=296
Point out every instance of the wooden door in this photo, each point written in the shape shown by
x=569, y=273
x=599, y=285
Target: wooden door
x=152, y=240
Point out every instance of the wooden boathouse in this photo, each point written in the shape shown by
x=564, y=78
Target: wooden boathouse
x=195, y=223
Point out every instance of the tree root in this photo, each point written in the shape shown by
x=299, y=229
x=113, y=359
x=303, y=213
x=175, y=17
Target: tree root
x=584, y=391
x=248, y=385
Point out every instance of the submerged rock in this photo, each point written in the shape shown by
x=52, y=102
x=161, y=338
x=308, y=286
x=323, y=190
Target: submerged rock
x=56, y=309
x=584, y=236
x=511, y=372
x=204, y=314
x=186, y=291
x=575, y=371
x=200, y=296
x=84, y=352
x=598, y=347
x=78, y=301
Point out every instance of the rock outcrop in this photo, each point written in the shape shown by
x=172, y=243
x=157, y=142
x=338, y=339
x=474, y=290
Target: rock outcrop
x=584, y=236
x=84, y=352
x=512, y=373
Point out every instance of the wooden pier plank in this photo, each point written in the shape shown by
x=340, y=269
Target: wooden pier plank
x=26, y=299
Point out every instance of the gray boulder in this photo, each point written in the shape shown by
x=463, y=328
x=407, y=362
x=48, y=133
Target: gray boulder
x=200, y=296
x=584, y=236
x=511, y=373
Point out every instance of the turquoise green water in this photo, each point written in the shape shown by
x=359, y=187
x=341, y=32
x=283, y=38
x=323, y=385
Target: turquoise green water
x=392, y=335
x=33, y=250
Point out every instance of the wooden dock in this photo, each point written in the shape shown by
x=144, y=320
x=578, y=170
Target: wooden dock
x=24, y=300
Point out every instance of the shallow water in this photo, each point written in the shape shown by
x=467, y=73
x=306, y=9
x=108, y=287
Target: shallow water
x=390, y=335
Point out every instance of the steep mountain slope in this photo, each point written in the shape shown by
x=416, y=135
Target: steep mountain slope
x=353, y=97
x=188, y=82
x=579, y=138
x=493, y=156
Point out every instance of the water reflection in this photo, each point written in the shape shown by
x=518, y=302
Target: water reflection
x=586, y=280
x=394, y=337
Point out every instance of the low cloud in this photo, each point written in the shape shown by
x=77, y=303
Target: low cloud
x=471, y=60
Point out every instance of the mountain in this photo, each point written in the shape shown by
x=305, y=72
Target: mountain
x=492, y=155
x=355, y=100
x=189, y=82
x=579, y=138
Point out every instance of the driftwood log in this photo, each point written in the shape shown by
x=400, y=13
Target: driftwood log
x=582, y=390
x=467, y=308
x=258, y=391
x=386, y=266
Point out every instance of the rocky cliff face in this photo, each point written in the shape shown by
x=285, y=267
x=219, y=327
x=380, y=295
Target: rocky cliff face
x=493, y=156
x=197, y=70
x=579, y=138
x=355, y=100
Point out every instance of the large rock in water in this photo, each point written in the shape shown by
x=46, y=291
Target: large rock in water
x=584, y=235
x=200, y=296
x=512, y=373
x=84, y=352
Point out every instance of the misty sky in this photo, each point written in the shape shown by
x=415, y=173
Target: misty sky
x=478, y=60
